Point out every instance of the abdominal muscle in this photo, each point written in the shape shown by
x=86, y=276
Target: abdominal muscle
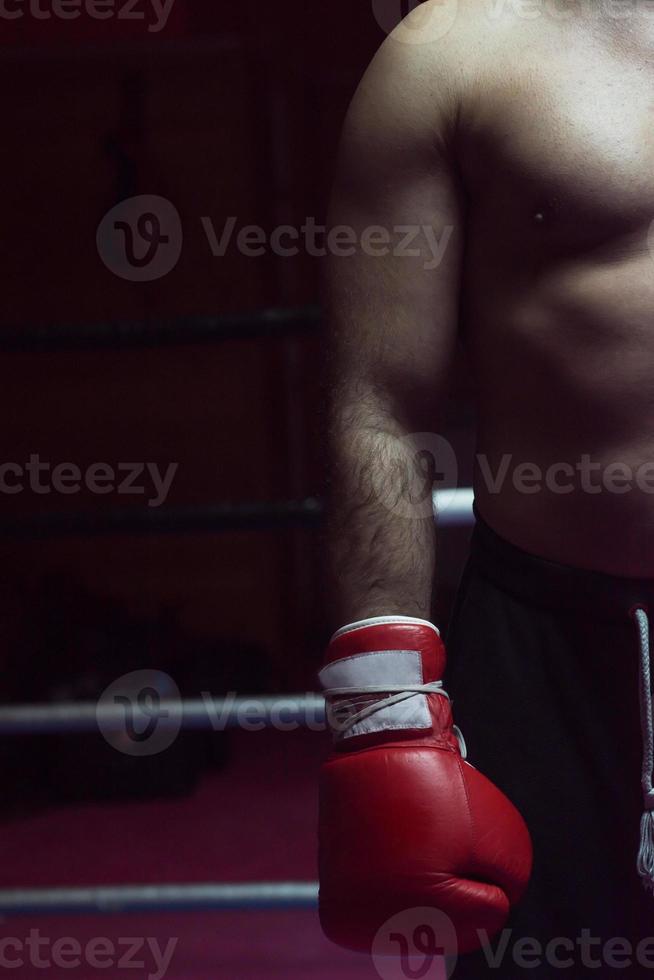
x=565, y=454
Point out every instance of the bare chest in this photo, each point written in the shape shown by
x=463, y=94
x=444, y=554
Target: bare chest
x=561, y=146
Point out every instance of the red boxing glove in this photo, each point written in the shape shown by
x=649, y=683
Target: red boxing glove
x=405, y=821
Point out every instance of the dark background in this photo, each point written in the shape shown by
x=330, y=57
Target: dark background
x=230, y=110
x=234, y=109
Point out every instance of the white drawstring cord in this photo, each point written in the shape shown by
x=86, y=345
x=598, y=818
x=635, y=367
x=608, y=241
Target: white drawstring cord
x=646, y=852
x=342, y=719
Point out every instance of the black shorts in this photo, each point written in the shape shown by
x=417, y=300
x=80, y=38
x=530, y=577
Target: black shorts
x=544, y=675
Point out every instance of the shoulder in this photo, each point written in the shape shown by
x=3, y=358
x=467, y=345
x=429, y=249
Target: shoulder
x=437, y=57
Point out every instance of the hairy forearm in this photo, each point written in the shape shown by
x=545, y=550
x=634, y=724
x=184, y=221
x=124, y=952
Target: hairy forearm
x=381, y=535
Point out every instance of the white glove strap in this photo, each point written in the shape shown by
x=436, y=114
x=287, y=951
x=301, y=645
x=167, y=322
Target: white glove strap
x=396, y=674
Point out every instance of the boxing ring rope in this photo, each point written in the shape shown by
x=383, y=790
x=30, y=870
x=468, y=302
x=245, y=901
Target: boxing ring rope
x=208, y=519
x=208, y=714
x=308, y=710
x=454, y=508
x=77, y=717
x=262, y=325
x=201, y=713
x=115, y=899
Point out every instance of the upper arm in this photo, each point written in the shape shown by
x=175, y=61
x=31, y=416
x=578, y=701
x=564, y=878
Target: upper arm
x=393, y=316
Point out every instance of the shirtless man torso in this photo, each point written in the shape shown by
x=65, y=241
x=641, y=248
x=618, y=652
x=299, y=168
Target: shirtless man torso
x=557, y=155
x=528, y=129
x=522, y=133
